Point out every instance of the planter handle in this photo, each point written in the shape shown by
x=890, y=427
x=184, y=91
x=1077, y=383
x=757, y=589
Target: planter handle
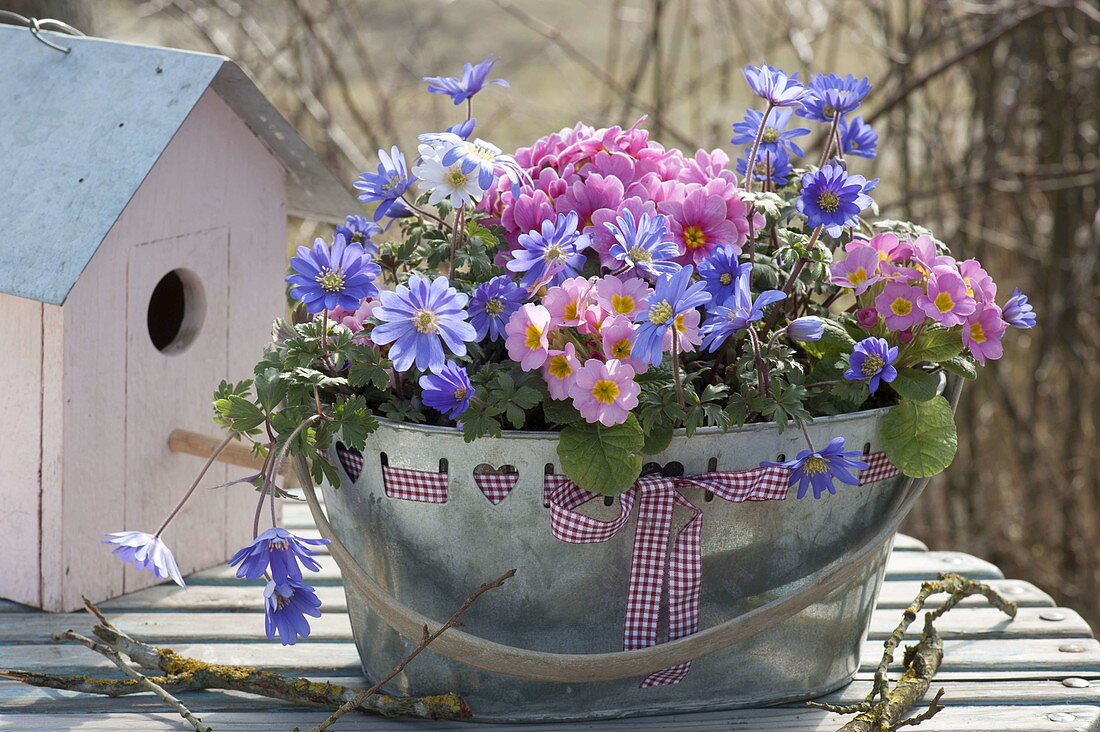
x=523, y=663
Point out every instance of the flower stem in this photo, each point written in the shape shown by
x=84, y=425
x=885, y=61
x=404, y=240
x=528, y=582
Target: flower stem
x=427, y=214
x=460, y=222
x=755, y=149
x=676, y=379
x=829, y=140
x=198, y=479
x=763, y=379
x=806, y=434
x=263, y=488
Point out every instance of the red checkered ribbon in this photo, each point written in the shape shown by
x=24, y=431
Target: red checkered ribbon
x=653, y=561
x=415, y=485
x=496, y=485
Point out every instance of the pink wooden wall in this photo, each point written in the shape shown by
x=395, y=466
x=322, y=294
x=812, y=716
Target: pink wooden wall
x=98, y=401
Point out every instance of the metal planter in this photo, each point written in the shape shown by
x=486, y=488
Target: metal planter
x=570, y=598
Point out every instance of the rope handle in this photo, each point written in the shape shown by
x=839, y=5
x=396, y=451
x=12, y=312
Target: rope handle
x=458, y=645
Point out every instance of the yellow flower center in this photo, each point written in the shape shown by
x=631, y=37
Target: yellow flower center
x=829, y=110
x=621, y=350
x=425, y=321
x=640, y=255
x=815, y=465
x=770, y=135
x=494, y=306
x=483, y=153
x=901, y=306
x=680, y=327
x=460, y=393
x=828, y=202
x=858, y=277
x=660, y=313
x=455, y=178
x=278, y=545
x=533, y=337
x=622, y=304
x=694, y=237
x=605, y=391
x=977, y=333
x=555, y=253
x=331, y=280
x=944, y=303
x=725, y=278
x=571, y=310
x=872, y=365
x=559, y=367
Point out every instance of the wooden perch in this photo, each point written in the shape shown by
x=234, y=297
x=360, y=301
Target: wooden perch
x=194, y=443
x=920, y=661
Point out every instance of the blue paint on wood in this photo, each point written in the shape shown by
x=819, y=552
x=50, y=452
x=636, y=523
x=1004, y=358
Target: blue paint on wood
x=80, y=131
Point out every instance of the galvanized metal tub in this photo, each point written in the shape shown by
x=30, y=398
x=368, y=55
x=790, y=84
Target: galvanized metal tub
x=570, y=598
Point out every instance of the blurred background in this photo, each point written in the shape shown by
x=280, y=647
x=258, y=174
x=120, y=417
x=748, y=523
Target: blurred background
x=988, y=116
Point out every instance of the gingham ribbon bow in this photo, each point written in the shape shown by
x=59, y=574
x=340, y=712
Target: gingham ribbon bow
x=656, y=496
x=652, y=561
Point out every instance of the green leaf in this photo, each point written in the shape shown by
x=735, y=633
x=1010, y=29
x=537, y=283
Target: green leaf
x=242, y=414
x=920, y=437
x=963, y=366
x=271, y=388
x=602, y=459
x=934, y=345
x=920, y=386
x=834, y=342
x=657, y=439
x=559, y=411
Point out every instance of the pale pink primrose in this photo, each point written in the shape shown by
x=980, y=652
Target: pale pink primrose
x=560, y=371
x=687, y=332
x=946, y=300
x=858, y=270
x=617, y=340
x=527, y=331
x=605, y=392
x=982, y=333
x=570, y=302
x=900, y=306
x=619, y=295
x=979, y=284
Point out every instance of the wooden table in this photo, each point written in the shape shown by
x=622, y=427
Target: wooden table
x=1038, y=672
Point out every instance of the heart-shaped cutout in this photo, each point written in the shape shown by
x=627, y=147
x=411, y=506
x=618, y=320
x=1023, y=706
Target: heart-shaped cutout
x=496, y=483
x=351, y=459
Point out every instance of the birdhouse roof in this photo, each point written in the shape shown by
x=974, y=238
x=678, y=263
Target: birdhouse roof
x=80, y=131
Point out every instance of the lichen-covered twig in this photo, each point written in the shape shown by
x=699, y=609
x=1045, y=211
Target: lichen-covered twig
x=171, y=672
x=139, y=678
x=425, y=641
x=920, y=661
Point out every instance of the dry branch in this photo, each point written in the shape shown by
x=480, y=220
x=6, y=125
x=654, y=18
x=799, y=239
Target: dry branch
x=920, y=661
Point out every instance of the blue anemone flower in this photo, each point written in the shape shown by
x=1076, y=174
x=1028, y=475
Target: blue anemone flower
x=725, y=319
x=485, y=157
x=473, y=80
x=1018, y=312
x=418, y=319
x=721, y=272
x=147, y=552
x=831, y=95
x=872, y=360
x=857, y=138
x=777, y=87
x=820, y=468
x=833, y=199
x=286, y=605
x=448, y=392
x=806, y=329
x=492, y=304
x=673, y=295
x=360, y=230
x=464, y=129
x=552, y=253
x=281, y=551
x=776, y=137
x=774, y=166
x=388, y=184
x=325, y=279
x=644, y=244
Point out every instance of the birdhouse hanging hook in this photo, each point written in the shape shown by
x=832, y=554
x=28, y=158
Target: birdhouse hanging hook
x=37, y=25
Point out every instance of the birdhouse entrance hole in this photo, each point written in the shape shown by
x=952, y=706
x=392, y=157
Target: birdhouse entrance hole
x=176, y=310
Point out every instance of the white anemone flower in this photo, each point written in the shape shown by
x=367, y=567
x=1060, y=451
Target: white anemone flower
x=447, y=182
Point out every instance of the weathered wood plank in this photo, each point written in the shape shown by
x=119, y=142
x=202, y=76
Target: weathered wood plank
x=901, y=565
x=952, y=719
x=246, y=598
x=198, y=627
x=1022, y=658
x=28, y=699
